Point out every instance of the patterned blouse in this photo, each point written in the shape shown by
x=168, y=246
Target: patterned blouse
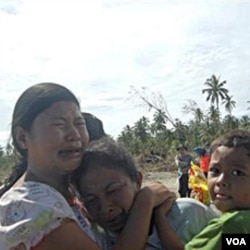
x=32, y=210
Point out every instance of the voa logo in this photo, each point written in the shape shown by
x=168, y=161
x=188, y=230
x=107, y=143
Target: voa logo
x=236, y=241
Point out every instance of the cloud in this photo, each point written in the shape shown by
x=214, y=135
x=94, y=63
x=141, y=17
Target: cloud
x=10, y=7
x=99, y=48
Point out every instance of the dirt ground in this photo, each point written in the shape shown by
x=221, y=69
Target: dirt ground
x=167, y=178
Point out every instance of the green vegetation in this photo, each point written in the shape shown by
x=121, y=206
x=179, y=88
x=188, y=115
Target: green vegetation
x=7, y=161
x=163, y=134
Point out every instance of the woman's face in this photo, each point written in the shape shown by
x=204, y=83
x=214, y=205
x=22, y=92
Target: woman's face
x=57, y=139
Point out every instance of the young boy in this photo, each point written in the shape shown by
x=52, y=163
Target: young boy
x=108, y=182
x=229, y=187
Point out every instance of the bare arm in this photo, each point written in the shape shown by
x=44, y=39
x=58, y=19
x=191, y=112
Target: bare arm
x=67, y=236
x=135, y=233
x=169, y=239
x=133, y=237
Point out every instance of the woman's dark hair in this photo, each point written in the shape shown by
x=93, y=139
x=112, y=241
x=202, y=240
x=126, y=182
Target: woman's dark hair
x=34, y=101
x=94, y=126
x=30, y=104
x=105, y=153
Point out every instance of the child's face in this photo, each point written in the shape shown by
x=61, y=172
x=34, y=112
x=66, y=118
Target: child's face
x=108, y=195
x=229, y=178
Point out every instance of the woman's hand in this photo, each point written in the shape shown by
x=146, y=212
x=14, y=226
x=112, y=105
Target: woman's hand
x=168, y=237
x=163, y=209
x=157, y=193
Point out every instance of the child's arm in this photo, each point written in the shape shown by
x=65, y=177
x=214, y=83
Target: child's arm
x=133, y=237
x=135, y=233
x=169, y=239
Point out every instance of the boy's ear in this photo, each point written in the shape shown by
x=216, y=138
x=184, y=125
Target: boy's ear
x=139, y=179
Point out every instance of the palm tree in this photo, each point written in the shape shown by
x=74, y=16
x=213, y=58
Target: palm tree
x=141, y=129
x=126, y=136
x=244, y=121
x=215, y=90
x=159, y=122
x=199, y=116
x=192, y=107
x=230, y=122
x=181, y=131
x=229, y=103
x=213, y=118
x=213, y=114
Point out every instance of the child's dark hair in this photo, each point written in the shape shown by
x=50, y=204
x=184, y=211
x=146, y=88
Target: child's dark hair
x=105, y=153
x=94, y=126
x=234, y=138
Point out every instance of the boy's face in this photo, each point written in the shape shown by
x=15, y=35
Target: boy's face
x=108, y=196
x=229, y=178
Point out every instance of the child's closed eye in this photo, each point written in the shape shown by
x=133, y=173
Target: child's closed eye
x=111, y=191
x=92, y=201
x=114, y=189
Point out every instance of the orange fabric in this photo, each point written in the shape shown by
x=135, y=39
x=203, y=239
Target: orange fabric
x=204, y=162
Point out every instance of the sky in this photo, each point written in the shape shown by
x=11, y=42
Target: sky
x=100, y=48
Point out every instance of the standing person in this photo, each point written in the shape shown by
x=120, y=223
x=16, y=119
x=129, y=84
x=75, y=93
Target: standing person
x=108, y=182
x=40, y=211
x=183, y=163
x=203, y=159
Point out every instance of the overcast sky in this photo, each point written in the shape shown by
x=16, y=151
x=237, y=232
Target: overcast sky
x=98, y=49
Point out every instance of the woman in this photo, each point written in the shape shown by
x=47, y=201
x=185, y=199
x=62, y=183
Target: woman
x=40, y=210
x=95, y=131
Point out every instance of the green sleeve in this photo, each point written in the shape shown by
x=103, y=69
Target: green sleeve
x=237, y=222
x=229, y=223
x=208, y=239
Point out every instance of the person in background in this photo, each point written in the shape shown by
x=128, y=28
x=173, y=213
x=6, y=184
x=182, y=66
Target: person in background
x=183, y=163
x=203, y=159
x=108, y=182
x=41, y=210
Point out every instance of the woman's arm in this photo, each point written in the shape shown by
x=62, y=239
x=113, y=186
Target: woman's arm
x=67, y=236
x=135, y=233
x=133, y=237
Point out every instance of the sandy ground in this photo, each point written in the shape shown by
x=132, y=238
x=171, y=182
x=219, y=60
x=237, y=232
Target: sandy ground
x=167, y=178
